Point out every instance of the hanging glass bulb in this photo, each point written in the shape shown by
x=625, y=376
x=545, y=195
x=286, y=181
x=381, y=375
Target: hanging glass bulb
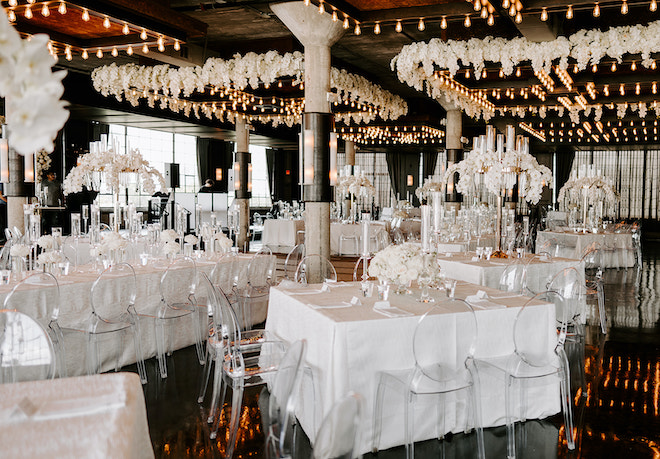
x=99, y=53
x=125, y=30
x=143, y=34
x=321, y=8
x=505, y=4
x=28, y=12
x=45, y=12
x=575, y=69
x=85, y=15
x=594, y=68
x=544, y=15
x=161, y=44
x=11, y=16
x=346, y=24
x=633, y=67
x=177, y=45
x=484, y=73
x=335, y=18
x=596, y=12
x=13, y=3
x=467, y=74
x=467, y=22
x=85, y=54
x=484, y=13
x=106, y=22
x=443, y=22
x=357, y=30
x=129, y=50
x=491, y=20
x=62, y=9
x=114, y=52
x=624, y=7
x=653, y=65
x=377, y=29
x=476, y=5
x=653, y=6
x=420, y=25
x=569, y=12
x=145, y=49
x=518, y=18
x=613, y=68
x=512, y=10
x=398, y=26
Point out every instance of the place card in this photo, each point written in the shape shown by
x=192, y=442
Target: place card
x=355, y=301
x=475, y=258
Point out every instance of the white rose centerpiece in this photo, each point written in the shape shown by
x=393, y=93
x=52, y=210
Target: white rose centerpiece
x=399, y=264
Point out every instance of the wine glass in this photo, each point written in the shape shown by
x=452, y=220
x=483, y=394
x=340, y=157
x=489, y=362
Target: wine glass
x=450, y=287
x=424, y=278
x=488, y=251
x=85, y=217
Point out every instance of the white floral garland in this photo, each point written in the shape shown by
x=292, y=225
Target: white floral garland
x=532, y=176
x=358, y=185
x=417, y=62
x=112, y=165
x=35, y=113
x=598, y=189
x=133, y=82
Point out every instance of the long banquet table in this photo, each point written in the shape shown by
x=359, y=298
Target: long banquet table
x=91, y=416
x=75, y=308
x=616, y=248
x=282, y=235
x=348, y=345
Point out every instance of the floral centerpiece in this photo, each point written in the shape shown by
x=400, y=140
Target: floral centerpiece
x=430, y=185
x=357, y=185
x=223, y=241
x=597, y=189
x=398, y=264
x=168, y=235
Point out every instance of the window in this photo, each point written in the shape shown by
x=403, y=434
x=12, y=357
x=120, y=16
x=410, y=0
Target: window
x=374, y=166
x=260, y=187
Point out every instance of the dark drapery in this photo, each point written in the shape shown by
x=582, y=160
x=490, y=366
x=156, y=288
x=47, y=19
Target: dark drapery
x=401, y=165
x=394, y=167
x=430, y=158
x=203, y=153
x=270, y=163
x=565, y=157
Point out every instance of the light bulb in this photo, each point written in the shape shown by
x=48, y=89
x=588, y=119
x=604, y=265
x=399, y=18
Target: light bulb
x=518, y=18
x=306, y=2
x=544, y=15
x=613, y=68
x=653, y=65
x=85, y=15
x=594, y=68
x=484, y=73
x=321, y=8
x=467, y=22
x=177, y=45
x=129, y=50
x=45, y=12
x=637, y=89
x=335, y=18
x=569, y=12
x=398, y=26
x=11, y=16
x=106, y=22
x=654, y=88
x=505, y=4
x=443, y=22
x=28, y=12
x=67, y=53
x=99, y=53
x=13, y=3
x=622, y=89
x=114, y=51
x=161, y=46
x=477, y=5
x=420, y=25
x=484, y=13
x=62, y=8
x=624, y=7
x=501, y=74
x=596, y=12
x=491, y=20
x=575, y=69
x=377, y=28
x=653, y=6
x=125, y=30
x=606, y=90
x=467, y=74
x=145, y=49
x=346, y=24
x=512, y=10
x=633, y=67
x=143, y=34
x=85, y=54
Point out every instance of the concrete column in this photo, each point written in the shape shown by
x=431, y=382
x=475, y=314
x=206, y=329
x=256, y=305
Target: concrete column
x=349, y=148
x=454, y=154
x=16, y=191
x=15, y=212
x=317, y=32
x=244, y=193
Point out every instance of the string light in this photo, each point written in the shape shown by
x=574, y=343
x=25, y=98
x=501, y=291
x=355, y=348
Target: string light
x=177, y=45
x=85, y=54
x=129, y=50
x=143, y=34
x=62, y=9
x=622, y=89
x=145, y=49
x=484, y=13
x=443, y=22
x=99, y=53
x=484, y=73
x=335, y=18
x=357, y=30
x=28, y=12
x=518, y=72
x=67, y=53
x=467, y=22
x=518, y=17
x=125, y=30
x=13, y=3
x=653, y=6
x=512, y=11
x=653, y=65
x=594, y=68
x=544, y=15
x=106, y=22
x=654, y=88
x=45, y=12
x=491, y=20
x=321, y=7
x=11, y=16
x=624, y=7
x=420, y=25
x=85, y=15
x=467, y=74
x=575, y=68
x=161, y=44
x=633, y=67
x=477, y=5
x=501, y=74
x=505, y=4
x=569, y=12
x=377, y=28
x=398, y=26
x=306, y=2
x=114, y=51
x=596, y=12
x=637, y=89
x=346, y=23
x=613, y=68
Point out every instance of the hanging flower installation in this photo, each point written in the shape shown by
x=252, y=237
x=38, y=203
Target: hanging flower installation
x=35, y=113
x=168, y=86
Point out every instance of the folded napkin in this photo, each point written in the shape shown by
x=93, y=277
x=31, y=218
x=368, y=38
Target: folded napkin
x=384, y=308
x=336, y=305
x=480, y=301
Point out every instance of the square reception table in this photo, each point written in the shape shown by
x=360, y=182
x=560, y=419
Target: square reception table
x=347, y=345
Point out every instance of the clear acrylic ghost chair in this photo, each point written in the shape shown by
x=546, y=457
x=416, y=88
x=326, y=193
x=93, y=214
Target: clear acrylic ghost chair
x=112, y=301
x=282, y=403
x=570, y=311
x=177, y=293
x=592, y=259
x=239, y=370
x=398, y=236
x=549, y=248
x=314, y=269
x=514, y=278
x=539, y=355
x=349, y=243
x=252, y=300
x=44, y=304
x=339, y=431
x=222, y=274
x=361, y=269
x=383, y=239
x=441, y=367
x=292, y=260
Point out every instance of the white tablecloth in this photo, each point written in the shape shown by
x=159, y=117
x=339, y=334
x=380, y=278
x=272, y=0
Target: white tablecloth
x=488, y=272
x=75, y=308
x=348, y=346
x=616, y=248
x=282, y=235
x=462, y=246
x=91, y=416
x=354, y=230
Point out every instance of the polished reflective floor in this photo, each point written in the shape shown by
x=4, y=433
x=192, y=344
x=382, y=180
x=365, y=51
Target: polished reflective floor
x=615, y=404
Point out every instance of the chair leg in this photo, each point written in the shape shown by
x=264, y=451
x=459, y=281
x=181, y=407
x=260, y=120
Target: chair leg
x=475, y=392
x=58, y=338
x=92, y=354
x=139, y=357
x=378, y=413
x=160, y=347
x=236, y=405
x=601, y=308
x=409, y=418
x=566, y=401
x=217, y=398
x=197, y=329
x=510, y=427
x=206, y=375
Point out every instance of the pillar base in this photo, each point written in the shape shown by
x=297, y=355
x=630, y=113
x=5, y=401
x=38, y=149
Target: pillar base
x=15, y=212
x=242, y=238
x=317, y=233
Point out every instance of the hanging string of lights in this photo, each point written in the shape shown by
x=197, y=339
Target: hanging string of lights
x=374, y=135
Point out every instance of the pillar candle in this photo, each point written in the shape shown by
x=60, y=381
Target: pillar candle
x=426, y=228
x=365, y=234
x=437, y=204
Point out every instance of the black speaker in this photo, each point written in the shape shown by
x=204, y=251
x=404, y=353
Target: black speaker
x=172, y=175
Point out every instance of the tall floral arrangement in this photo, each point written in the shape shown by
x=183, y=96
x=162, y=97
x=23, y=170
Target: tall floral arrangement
x=358, y=185
x=31, y=89
x=430, y=185
x=597, y=189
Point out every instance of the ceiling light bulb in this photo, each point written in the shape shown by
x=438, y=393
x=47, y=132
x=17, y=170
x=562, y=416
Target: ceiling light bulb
x=467, y=22
x=606, y=90
x=143, y=34
x=85, y=15
x=484, y=13
x=544, y=15
x=28, y=12
x=501, y=74
x=129, y=50
x=13, y=3
x=67, y=53
x=653, y=6
x=518, y=17
x=575, y=69
x=377, y=28
x=346, y=24
x=357, y=30
x=613, y=68
x=125, y=30
x=11, y=16
x=569, y=12
x=484, y=73
x=177, y=45
x=321, y=8
x=335, y=18
x=491, y=20
x=45, y=12
x=653, y=65
x=624, y=7
x=477, y=5
x=106, y=22
x=398, y=26
x=518, y=72
x=99, y=53
x=594, y=68
x=596, y=12
x=622, y=89
x=467, y=74
x=420, y=25
x=114, y=51
x=505, y=4
x=512, y=11
x=161, y=47
x=443, y=22
x=145, y=49
x=633, y=67
x=62, y=8
x=85, y=54
x=654, y=88
x=306, y=2
x=637, y=89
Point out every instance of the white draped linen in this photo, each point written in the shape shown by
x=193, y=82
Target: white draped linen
x=282, y=235
x=96, y=416
x=347, y=345
x=462, y=246
x=75, y=308
x=616, y=248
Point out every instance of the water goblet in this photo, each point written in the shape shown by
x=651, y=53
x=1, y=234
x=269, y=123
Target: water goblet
x=383, y=290
x=144, y=259
x=5, y=276
x=450, y=287
x=488, y=251
x=480, y=253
